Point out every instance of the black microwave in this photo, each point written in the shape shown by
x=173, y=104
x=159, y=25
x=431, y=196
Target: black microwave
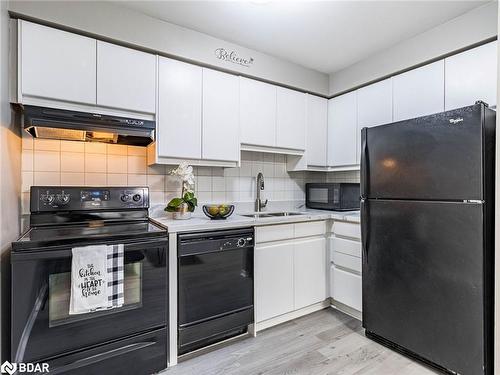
x=333, y=196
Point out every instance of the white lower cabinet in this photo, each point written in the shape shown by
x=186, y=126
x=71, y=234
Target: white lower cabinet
x=309, y=272
x=274, y=293
x=345, y=268
x=290, y=268
x=346, y=288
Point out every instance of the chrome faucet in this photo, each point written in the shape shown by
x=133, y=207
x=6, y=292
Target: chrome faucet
x=259, y=205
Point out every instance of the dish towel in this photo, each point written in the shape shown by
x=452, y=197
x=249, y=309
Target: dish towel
x=96, y=278
x=115, y=276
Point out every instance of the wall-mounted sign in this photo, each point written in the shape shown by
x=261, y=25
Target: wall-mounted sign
x=232, y=56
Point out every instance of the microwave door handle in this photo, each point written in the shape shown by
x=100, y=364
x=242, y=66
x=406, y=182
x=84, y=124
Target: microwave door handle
x=101, y=357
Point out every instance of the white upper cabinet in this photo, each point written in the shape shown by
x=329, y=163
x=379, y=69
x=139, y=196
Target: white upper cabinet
x=471, y=76
x=342, y=130
x=56, y=65
x=419, y=92
x=257, y=113
x=317, y=131
x=290, y=119
x=126, y=78
x=375, y=104
x=220, y=116
x=179, y=109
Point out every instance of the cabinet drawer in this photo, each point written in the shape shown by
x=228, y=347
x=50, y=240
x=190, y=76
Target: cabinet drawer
x=345, y=246
x=346, y=261
x=345, y=288
x=347, y=229
x=274, y=233
x=315, y=228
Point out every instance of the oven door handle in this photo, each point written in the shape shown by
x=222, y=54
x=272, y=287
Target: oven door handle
x=52, y=254
x=101, y=357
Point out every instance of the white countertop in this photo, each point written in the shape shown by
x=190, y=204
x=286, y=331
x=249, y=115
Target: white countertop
x=199, y=222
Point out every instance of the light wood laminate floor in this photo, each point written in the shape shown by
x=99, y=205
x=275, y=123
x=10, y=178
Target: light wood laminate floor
x=327, y=342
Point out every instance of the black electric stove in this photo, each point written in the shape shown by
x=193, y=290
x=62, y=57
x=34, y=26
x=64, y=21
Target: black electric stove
x=132, y=338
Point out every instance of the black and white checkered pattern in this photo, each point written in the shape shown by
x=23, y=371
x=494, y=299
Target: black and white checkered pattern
x=115, y=276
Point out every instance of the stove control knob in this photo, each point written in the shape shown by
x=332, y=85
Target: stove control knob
x=63, y=198
x=137, y=197
x=47, y=198
x=241, y=242
x=125, y=198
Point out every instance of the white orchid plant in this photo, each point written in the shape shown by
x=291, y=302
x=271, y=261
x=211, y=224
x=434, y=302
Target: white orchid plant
x=185, y=174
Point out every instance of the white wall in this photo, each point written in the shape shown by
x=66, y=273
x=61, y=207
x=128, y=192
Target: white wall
x=121, y=24
x=10, y=171
x=471, y=28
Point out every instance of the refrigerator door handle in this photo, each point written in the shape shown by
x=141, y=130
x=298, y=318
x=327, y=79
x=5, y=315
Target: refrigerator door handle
x=365, y=229
x=364, y=164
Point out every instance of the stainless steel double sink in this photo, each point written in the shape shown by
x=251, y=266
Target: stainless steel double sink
x=272, y=214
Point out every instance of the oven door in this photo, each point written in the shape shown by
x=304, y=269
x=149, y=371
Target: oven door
x=323, y=196
x=41, y=284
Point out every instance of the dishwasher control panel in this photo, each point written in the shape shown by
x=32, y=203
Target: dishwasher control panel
x=209, y=242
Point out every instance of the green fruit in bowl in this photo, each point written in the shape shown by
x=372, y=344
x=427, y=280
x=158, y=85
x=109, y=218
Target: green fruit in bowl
x=213, y=210
x=223, y=209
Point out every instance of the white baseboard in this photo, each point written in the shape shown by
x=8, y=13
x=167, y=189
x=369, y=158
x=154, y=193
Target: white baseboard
x=291, y=315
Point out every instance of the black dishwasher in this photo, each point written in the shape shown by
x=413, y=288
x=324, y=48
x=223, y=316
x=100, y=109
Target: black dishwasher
x=215, y=295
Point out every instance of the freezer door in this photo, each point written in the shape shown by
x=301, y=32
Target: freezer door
x=436, y=157
x=423, y=279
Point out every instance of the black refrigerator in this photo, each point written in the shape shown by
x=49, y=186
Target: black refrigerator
x=427, y=211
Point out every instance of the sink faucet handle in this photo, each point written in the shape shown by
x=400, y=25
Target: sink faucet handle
x=263, y=204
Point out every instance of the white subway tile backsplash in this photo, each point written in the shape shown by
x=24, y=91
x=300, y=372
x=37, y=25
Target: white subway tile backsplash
x=137, y=164
x=117, y=150
x=95, y=179
x=47, y=161
x=72, y=146
x=137, y=179
x=95, y=148
x=116, y=179
x=156, y=182
x=136, y=151
x=72, y=179
x=117, y=164
x=46, y=144
x=46, y=178
x=95, y=163
x=72, y=162
x=27, y=161
x=204, y=183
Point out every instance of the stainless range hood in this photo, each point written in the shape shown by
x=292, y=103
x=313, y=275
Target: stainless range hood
x=60, y=124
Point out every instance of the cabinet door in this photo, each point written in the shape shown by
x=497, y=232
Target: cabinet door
x=317, y=131
x=126, y=78
x=273, y=280
x=57, y=65
x=374, y=107
x=471, y=76
x=257, y=113
x=290, y=119
x=220, y=116
x=419, y=92
x=179, y=109
x=342, y=130
x=309, y=272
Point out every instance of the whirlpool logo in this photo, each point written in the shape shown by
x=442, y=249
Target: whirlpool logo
x=23, y=368
x=456, y=121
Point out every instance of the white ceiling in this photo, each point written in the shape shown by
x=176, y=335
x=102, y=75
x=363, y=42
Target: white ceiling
x=322, y=35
